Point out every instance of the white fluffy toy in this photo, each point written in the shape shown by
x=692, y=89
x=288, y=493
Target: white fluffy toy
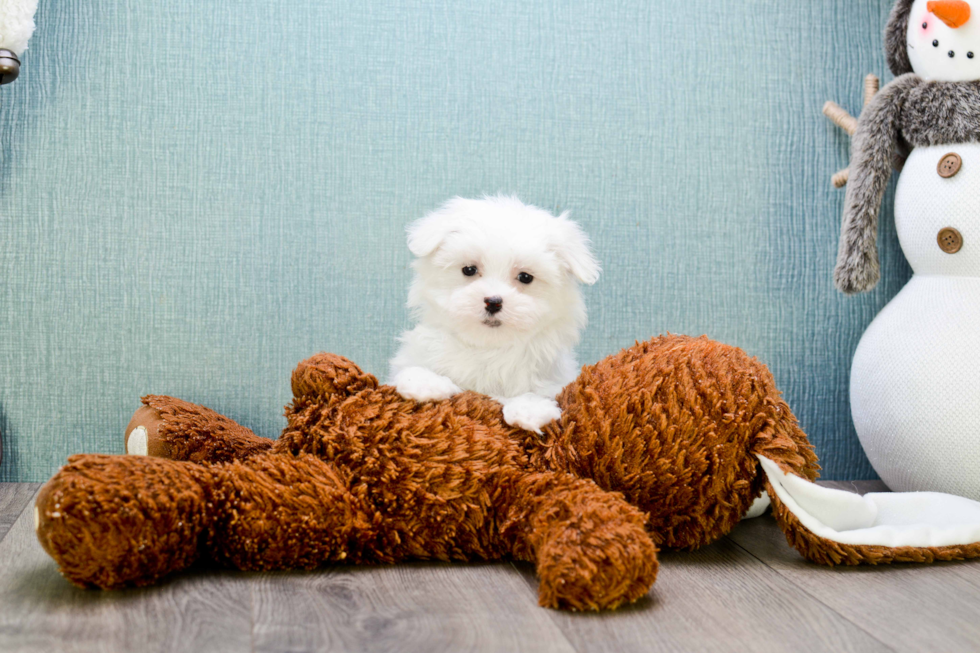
x=16, y=28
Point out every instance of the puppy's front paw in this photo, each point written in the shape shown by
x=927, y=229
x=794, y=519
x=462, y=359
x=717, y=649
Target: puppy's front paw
x=421, y=384
x=530, y=411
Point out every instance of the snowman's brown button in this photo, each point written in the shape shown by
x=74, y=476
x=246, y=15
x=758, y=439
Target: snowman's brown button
x=950, y=240
x=949, y=165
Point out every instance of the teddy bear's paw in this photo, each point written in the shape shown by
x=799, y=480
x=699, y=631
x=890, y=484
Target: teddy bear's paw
x=328, y=374
x=115, y=521
x=611, y=569
x=530, y=411
x=421, y=384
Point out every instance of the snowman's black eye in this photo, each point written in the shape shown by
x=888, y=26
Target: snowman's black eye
x=525, y=278
x=935, y=44
x=925, y=25
x=951, y=53
x=969, y=55
x=469, y=270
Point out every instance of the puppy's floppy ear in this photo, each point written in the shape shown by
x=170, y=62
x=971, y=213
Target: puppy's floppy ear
x=425, y=235
x=574, y=251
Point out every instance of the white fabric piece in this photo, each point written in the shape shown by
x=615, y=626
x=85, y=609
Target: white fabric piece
x=137, y=444
x=758, y=507
x=16, y=24
x=915, y=378
x=920, y=519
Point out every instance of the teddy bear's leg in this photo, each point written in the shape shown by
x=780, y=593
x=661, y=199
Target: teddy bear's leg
x=166, y=427
x=590, y=546
x=111, y=521
x=117, y=521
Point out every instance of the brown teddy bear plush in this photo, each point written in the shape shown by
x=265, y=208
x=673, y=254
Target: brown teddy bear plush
x=659, y=445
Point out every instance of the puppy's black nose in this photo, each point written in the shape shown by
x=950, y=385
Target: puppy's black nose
x=494, y=304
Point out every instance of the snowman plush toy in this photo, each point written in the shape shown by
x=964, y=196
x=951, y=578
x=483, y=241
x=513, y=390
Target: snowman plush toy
x=915, y=379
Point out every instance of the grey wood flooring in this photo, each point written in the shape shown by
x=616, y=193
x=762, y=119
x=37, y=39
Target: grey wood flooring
x=749, y=591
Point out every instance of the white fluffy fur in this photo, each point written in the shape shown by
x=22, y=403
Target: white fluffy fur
x=16, y=24
x=523, y=355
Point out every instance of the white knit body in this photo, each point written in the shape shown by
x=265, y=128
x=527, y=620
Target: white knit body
x=915, y=379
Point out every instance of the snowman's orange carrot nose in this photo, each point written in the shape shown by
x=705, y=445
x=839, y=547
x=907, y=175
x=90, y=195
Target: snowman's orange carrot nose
x=954, y=13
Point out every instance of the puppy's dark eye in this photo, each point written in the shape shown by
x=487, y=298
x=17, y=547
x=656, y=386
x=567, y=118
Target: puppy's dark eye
x=524, y=277
x=469, y=270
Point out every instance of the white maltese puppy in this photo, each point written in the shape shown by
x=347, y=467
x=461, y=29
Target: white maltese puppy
x=498, y=308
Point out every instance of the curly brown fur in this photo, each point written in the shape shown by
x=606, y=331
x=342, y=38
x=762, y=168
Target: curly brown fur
x=180, y=430
x=324, y=375
x=673, y=434
x=470, y=471
x=583, y=540
x=109, y=524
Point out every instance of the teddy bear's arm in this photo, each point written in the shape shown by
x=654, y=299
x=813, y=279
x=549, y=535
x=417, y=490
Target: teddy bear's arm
x=167, y=427
x=322, y=375
x=590, y=547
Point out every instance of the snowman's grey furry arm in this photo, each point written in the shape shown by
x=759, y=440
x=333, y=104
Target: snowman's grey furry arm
x=872, y=150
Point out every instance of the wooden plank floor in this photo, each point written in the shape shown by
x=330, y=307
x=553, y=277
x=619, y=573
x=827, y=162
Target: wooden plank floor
x=749, y=591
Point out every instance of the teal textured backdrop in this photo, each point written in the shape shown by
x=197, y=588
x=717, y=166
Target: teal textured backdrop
x=195, y=196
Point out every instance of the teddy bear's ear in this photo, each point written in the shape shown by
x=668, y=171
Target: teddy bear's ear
x=573, y=248
x=427, y=234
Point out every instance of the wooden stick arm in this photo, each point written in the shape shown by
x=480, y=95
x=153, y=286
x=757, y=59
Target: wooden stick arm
x=871, y=86
x=840, y=117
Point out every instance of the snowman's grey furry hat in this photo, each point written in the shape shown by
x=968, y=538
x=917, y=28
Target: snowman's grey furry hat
x=896, y=38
